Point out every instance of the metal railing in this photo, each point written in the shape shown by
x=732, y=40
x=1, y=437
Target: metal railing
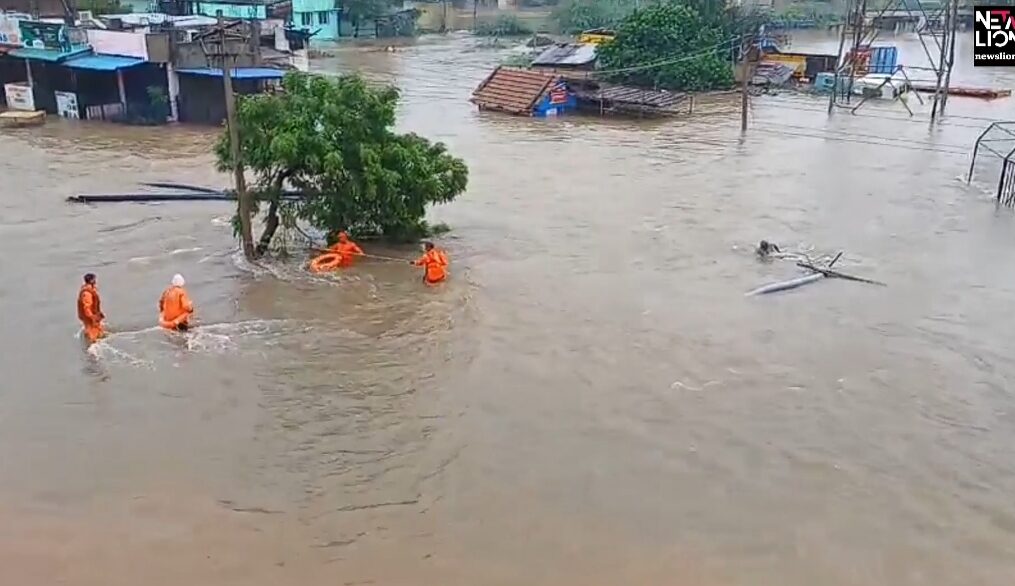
x=1005, y=194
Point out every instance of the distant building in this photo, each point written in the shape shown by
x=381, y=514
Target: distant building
x=37, y=8
x=241, y=9
x=320, y=17
x=140, y=68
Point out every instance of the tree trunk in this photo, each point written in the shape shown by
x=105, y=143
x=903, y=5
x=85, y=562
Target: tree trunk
x=270, y=227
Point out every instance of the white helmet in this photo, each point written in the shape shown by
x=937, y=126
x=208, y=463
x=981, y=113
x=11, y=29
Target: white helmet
x=178, y=280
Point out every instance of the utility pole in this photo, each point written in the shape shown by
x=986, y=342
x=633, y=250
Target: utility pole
x=244, y=206
x=942, y=62
x=859, y=42
x=950, y=33
x=749, y=54
x=840, y=63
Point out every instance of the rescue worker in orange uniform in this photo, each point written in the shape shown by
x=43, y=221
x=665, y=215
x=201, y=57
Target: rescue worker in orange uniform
x=434, y=263
x=90, y=310
x=346, y=249
x=175, y=307
x=341, y=254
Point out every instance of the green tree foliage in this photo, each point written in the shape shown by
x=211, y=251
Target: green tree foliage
x=692, y=53
x=505, y=25
x=332, y=139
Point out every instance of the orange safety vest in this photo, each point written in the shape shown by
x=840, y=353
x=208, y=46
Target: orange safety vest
x=89, y=306
x=347, y=250
x=435, y=262
x=175, y=306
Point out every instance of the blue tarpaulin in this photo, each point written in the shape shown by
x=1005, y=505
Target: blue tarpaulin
x=103, y=62
x=238, y=73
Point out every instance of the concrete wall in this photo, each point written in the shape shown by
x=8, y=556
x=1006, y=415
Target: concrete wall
x=191, y=56
x=159, y=47
x=124, y=44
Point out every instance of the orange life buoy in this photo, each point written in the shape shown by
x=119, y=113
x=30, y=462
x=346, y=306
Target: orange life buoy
x=328, y=261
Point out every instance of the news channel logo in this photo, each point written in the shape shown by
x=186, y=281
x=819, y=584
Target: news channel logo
x=994, y=36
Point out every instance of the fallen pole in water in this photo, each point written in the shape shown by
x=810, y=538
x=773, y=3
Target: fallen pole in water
x=187, y=186
x=161, y=197
x=786, y=285
x=838, y=275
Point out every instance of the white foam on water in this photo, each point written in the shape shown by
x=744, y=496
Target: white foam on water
x=290, y=271
x=185, y=250
x=148, y=259
x=103, y=350
x=217, y=338
x=204, y=341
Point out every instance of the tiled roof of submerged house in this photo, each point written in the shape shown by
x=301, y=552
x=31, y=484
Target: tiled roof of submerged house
x=512, y=90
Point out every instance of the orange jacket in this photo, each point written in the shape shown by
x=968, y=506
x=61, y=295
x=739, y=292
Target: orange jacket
x=89, y=306
x=348, y=250
x=175, y=306
x=435, y=263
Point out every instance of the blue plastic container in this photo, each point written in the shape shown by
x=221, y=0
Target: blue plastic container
x=884, y=60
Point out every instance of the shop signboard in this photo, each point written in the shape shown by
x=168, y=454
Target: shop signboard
x=20, y=97
x=10, y=28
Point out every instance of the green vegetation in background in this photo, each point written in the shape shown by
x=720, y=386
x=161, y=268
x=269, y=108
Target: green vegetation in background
x=575, y=16
x=693, y=50
x=332, y=139
x=506, y=25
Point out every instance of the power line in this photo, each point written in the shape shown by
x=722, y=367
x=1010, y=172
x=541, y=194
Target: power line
x=892, y=118
x=867, y=142
x=727, y=44
x=960, y=148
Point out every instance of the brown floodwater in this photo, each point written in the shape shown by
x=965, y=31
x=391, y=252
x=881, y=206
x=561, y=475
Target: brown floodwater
x=590, y=400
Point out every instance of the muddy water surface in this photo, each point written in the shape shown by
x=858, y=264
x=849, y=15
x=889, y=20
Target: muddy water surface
x=590, y=400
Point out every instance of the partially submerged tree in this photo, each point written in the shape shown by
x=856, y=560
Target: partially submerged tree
x=669, y=46
x=332, y=140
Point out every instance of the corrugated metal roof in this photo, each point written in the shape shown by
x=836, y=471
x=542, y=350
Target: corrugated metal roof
x=238, y=73
x=564, y=54
x=103, y=62
x=633, y=96
x=512, y=90
x=772, y=72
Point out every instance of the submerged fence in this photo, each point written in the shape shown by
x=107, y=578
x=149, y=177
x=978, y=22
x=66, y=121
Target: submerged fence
x=998, y=140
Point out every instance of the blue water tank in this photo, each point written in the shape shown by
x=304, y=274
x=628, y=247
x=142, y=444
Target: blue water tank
x=884, y=60
x=824, y=82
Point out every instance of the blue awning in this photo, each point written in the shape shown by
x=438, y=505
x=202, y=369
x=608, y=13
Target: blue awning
x=238, y=73
x=50, y=55
x=103, y=62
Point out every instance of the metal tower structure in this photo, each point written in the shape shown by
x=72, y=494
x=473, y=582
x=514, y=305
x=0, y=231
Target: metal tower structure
x=935, y=28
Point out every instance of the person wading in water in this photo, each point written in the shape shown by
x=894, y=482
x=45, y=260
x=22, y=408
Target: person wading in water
x=90, y=310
